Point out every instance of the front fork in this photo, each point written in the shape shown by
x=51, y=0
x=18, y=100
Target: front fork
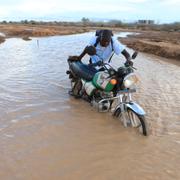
x=125, y=103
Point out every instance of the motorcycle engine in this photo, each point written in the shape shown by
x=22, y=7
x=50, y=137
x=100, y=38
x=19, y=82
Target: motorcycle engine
x=101, y=101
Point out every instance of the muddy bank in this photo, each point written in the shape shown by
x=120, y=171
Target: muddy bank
x=161, y=43
x=164, y=44
x=2, y=39
x=26, y=31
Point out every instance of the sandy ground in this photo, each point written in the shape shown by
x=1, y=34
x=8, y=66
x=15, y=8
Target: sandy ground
x=161, y=43
x=2, y=39
x=165, y=44
x=26, y=31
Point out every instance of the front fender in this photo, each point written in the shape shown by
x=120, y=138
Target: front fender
x=136, y=108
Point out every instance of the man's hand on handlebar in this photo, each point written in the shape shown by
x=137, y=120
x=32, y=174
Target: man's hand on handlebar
x=128, y=63
x=74, y=58
x=99, y=63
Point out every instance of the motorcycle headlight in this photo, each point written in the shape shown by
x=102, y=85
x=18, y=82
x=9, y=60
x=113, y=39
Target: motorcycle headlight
x=130, y=80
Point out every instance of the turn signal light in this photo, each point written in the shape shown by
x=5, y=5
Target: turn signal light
x=113, y=81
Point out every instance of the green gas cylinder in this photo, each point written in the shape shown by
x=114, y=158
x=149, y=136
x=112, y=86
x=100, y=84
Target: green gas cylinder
x=102, y=81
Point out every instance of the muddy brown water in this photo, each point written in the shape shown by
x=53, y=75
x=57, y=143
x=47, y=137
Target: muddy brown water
x=46, y=134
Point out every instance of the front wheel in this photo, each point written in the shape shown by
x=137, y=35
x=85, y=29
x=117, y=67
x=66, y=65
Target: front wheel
x=138, y=121
x=131, y=118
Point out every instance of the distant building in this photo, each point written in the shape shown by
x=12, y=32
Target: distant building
x=145, y=22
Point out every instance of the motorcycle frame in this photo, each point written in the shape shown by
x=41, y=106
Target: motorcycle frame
x=125, y=102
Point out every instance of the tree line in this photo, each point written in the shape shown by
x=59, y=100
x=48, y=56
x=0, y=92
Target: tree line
x=111, y=23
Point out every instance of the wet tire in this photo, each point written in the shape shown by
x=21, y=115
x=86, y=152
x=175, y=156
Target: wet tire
x=139, y=122
x=134, y=120
x=76, y=88
x=117, y=112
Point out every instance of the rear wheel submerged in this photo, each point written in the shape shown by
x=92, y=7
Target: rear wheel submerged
x=76, y=87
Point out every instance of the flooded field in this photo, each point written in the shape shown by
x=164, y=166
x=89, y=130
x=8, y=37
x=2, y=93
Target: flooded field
x=46, y=134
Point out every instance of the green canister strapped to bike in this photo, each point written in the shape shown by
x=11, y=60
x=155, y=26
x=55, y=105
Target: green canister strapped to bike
x=103, y=81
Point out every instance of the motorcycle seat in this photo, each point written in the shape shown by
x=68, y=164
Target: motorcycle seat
x=83, y=71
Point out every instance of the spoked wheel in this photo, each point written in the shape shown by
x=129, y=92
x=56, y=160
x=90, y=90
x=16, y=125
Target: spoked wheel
x=130, y=118
x=76, y=88
x=138, y=122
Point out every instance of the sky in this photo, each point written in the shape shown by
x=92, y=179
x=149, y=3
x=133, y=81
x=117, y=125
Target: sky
x=162, y=11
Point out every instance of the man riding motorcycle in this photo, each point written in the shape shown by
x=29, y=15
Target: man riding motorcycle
x=101, y=49
x=108, y=89
x=105, y=47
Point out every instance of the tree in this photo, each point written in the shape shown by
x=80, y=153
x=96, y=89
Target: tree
x=85, y=20
x=4, y=22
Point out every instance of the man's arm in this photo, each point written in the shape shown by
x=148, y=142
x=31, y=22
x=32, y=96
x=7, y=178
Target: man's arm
x=128, y=58
x=85, y=51
x=120, y=49
x=90, y=50
x=82, y=54
x=78, y=58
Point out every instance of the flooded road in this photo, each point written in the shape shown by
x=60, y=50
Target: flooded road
x=45, y=134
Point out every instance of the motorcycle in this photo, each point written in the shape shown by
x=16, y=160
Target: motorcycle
x=109, y=90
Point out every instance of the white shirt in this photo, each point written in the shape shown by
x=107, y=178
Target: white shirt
x=104, y=53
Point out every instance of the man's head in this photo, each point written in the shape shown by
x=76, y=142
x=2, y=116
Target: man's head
x=105, y=38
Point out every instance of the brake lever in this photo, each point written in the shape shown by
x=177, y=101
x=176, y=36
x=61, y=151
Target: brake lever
x=134, y=68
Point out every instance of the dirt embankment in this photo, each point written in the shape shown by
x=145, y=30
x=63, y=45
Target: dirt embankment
x=26, y=31
x=161, y=43
x=2, y=39
x=165, y=44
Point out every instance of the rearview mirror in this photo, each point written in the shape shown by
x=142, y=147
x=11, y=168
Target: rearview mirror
x=134, y=55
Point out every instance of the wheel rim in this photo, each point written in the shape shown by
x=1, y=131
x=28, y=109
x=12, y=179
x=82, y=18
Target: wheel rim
x=135, y=121
x=130, y=118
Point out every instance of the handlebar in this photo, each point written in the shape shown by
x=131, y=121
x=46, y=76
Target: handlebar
x=103, y=64
x=128, y=63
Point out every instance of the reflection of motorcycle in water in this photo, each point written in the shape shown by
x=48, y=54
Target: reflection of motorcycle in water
x=109, y=90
